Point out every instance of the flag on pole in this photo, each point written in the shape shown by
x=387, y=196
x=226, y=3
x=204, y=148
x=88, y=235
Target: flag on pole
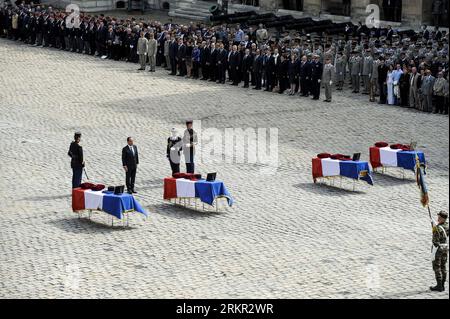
x=421, y=183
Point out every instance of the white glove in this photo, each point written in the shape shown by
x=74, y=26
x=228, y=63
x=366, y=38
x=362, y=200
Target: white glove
x=319, y=81
x=331, y=82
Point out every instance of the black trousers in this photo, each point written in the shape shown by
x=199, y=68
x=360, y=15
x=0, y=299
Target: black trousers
x=221, y=73
x=315, y=88
x=189, y=160
x=130, y=177
x=440, y=104
x=173, y=65
x=304, y=86
x=404, y=97
x=382, y=92
x=258, y=79
x=77, y=176
x=175, y=167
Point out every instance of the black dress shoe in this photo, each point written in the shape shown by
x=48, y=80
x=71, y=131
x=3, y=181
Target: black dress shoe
x=134, y=192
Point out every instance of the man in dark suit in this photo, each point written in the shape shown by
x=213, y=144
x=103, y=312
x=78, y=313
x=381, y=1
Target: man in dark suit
x=305, y=76
x=181, y=58
x=382, y=80
x=130, y=161
x=211, y=62
x=221, y=62
x=316, y=77
x=247, y=64
x=269, y=69
x=257, y=69
x=173, y=52
x=234, y=63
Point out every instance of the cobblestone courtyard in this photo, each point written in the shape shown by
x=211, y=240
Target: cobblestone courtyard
x=285, y=237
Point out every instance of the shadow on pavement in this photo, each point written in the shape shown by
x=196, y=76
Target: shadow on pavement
x=329, y=190
x=181, y=212
x=77, y=225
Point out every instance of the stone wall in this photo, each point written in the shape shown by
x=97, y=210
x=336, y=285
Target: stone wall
x=414, y=12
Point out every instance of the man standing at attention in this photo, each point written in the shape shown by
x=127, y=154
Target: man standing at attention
x=152, y=50
x=329, y=72
x=189, y=141
x=130, y=161
x=440, y=251
x=142, y=50
x=77, y=160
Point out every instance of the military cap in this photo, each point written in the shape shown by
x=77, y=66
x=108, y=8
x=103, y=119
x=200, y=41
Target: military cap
x=443, y=214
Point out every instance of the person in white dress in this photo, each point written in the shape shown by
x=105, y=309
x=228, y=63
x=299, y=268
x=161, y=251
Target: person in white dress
x=390, y=86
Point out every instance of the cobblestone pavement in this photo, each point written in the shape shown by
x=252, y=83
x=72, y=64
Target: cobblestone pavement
x=285, y=237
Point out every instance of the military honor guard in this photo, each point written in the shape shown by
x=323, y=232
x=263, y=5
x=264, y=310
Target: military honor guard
x=341, y=64
x=329, y=72
x=356, y=66
x=130, y=162
x=77, y=160
x=190, y=140
x=440, y=251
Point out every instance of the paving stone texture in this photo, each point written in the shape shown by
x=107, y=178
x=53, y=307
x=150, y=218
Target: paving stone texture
x=285, y=237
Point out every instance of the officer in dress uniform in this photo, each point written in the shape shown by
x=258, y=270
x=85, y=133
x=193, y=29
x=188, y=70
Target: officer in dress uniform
x=77, y=160
x=329, y=72
x=440, y=251
x=189, y=141
x=174, y=147
x=341, y=63
x=356, y=65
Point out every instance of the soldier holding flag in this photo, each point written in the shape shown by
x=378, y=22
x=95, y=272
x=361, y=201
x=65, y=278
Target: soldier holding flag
x=440, y=251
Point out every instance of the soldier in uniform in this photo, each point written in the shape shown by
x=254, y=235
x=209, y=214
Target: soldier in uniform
x=341, y=62
x=356, y=66
x=329, y=72
x=190, y=139
x=77, y=160
x=374, y=80
x=440, y=251
x=367, y=71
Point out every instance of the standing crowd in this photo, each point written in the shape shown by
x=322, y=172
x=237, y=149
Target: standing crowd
x=409, y=69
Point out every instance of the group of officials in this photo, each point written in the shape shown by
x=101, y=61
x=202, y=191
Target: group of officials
x=391, y=67
x=130, y=156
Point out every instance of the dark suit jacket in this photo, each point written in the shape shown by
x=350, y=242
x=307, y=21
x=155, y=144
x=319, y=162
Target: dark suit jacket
x=128, y=159
x=305, y=70
x=173, y=49
x=76, y=155
x=181, y=53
